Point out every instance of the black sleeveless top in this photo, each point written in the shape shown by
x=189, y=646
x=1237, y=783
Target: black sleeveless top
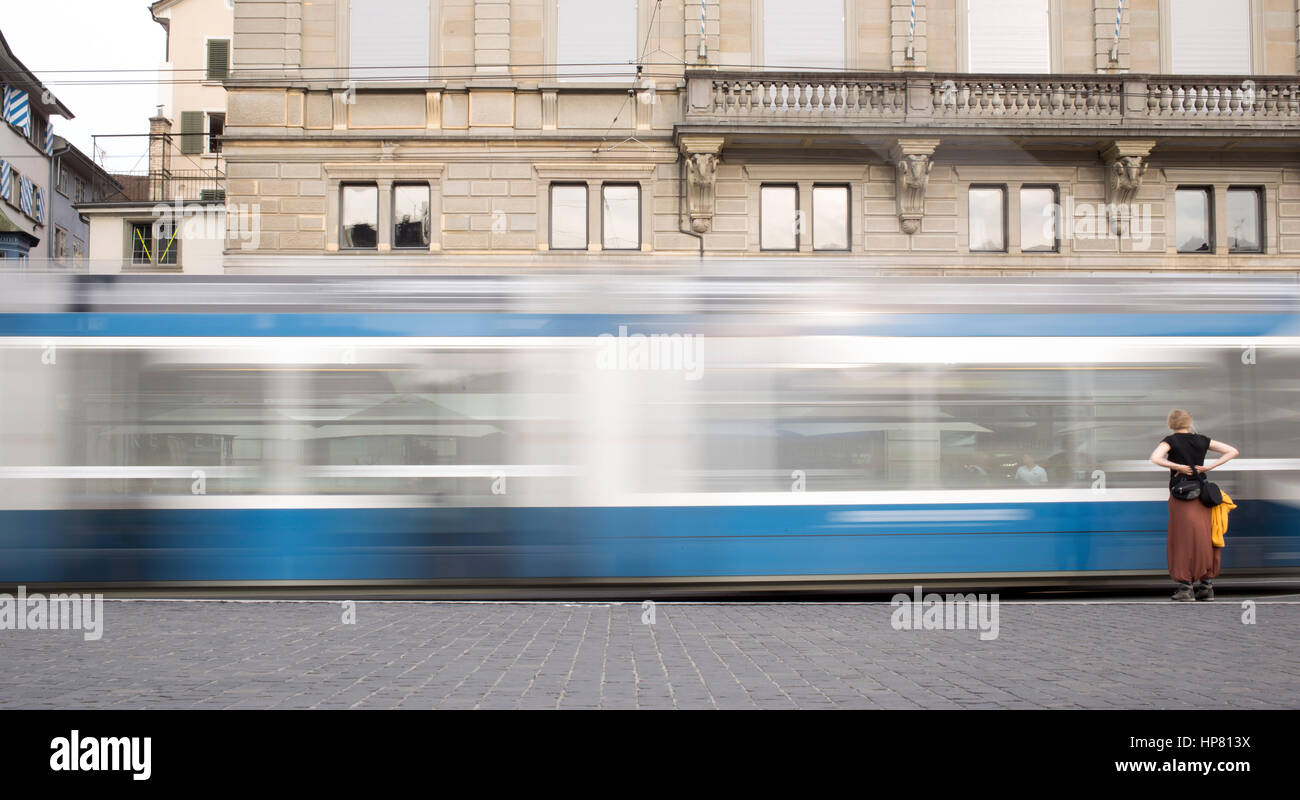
x=1186, y=448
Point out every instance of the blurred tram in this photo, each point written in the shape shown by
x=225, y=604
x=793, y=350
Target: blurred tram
x=664, y=432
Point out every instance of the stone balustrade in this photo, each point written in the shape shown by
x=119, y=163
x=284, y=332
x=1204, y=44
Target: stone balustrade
x=1024, y=101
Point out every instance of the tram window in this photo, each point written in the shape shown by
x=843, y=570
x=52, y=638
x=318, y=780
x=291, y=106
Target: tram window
x=568, y=216
x=988, y=219
x=620, y=217
x=360, y=217
x=830, y=217
x=1039, y=219
x=411, y=215
x=779, y=218
x=1193, y=227
x=1245, y=228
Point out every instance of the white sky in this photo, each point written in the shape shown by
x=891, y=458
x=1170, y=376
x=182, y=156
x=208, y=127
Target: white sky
x=51, y=35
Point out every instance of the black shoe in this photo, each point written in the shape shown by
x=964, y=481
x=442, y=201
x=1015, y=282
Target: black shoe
x=1204, y=591
x=1184, y=593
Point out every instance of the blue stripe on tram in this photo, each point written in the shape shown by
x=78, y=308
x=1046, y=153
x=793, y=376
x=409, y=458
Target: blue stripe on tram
x=489, y=324
x=430, y=544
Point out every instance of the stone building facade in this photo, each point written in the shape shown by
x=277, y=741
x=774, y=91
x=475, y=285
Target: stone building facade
x=878, y=136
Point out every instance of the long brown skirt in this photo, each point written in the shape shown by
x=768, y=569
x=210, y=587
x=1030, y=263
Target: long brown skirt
x=1192, y=554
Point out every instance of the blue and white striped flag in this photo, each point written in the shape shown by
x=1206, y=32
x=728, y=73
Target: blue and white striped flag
x=6, y=179
x=49, y=139
x=25, y=199
x=17, y=110
x=38, y=205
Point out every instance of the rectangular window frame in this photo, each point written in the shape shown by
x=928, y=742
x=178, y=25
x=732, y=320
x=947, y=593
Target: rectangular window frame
x=567, y=68
x=61, y=243
x=550, y=216
x=343, y=187
x=428, y=229
x=1258, y=191
x=640, y=234
x=1210, y=212
x=763, y=58
x=211, y=139
x=798, y=230
x=1056, y=205
x=966, y=54
x=154, y=246
x=1006, y=238
x=848, y=217
x=1170, y=61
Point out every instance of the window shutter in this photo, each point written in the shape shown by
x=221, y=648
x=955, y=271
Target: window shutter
x=218, y=59
x=191, y=132
x=1210, y=37
x=1009, y=36
x=800, y=34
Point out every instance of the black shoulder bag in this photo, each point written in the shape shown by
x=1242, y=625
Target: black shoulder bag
x=1196, y=487
x=1211, y=495
x=1188, y=487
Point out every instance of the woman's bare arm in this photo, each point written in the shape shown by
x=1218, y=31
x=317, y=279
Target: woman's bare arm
x=1158, y=458
x=1229, y=452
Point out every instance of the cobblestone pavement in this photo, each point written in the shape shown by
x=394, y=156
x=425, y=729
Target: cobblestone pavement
x=156, y=654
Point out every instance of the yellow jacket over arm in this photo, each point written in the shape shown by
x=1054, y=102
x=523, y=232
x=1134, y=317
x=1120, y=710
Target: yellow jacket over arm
x=1219, y=520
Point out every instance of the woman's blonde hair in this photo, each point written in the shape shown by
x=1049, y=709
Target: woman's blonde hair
x=1179, y=419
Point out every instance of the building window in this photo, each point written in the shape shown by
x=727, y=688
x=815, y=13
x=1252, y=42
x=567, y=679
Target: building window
x=60, y=244
x=1009, y=36
x=595, y=40
x=800, y=34
x=620, y=217
x=360, y=217
x=1210, y=37
x=389, y=40
x=1040, y=220
x=218, y=59
x=78, y=251
x=830, y=223
x=568, y=216
x=411, y=215
x=988, y=219
x=1245, y=221
x=1193, y=226
x=779, y=220
x=216, y=127
x=61, y=184
x=154, y=244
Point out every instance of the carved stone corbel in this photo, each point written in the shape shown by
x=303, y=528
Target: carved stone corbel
x=912, y=162
x=1125, y=166
x=702, y=154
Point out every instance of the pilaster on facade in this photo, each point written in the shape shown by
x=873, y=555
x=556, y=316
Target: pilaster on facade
x=491, y=37
x=1111, y=34
x=268, y=39
x=907, y=34
x=702, y=29
x=912, y=160
x=702, y=154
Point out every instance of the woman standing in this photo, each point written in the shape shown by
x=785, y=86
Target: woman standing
x=1192, y=556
